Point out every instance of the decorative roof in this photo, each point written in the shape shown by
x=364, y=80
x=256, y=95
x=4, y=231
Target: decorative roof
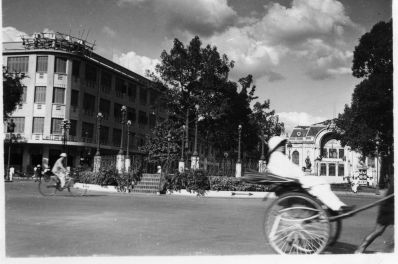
x=314, y=130
x=299, y=132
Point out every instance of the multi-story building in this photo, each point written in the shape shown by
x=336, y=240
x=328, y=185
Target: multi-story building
x=316, y=149
x=67, y=80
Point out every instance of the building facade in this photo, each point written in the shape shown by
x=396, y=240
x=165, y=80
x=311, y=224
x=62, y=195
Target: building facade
x=316, y=149
x=67, y=80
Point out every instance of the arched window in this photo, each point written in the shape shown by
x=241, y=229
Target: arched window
x=295, y=157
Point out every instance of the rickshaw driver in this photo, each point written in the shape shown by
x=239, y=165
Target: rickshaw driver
x=280, y=165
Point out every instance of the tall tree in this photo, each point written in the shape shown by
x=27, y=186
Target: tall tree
x=370, y=115
x=12, y=91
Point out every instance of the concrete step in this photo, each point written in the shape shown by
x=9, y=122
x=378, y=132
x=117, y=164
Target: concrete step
x=149, y=183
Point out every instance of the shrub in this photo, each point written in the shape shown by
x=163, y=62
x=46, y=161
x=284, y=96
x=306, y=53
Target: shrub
x=222, y=183
x=107, y=176
x=193, y=181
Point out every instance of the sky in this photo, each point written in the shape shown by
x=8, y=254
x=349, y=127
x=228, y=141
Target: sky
x=299, y=51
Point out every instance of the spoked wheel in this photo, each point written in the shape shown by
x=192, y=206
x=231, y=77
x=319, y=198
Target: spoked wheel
x=48, y=185
x=72, y=190
x=335, y=230
x=295, y=223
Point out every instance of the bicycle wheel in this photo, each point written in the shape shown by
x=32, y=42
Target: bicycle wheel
x=295, y=223
x=48, y=185
x=335, y=230
x=72, y=190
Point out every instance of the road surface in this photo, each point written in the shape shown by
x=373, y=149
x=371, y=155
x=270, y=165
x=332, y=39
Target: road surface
x=104, y=224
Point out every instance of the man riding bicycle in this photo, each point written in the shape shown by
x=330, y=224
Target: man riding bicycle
x=280, y=165
x=59, y=170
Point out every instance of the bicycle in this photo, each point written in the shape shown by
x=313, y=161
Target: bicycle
x=49, y=185
x=297, y=222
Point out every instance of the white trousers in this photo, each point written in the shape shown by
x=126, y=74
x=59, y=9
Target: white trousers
x=62, y=177
x=319, y=188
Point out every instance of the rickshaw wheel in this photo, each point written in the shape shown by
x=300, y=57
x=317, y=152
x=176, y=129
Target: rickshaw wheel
x=295, y=223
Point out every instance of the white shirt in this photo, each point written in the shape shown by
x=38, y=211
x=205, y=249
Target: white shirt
x=280, y=165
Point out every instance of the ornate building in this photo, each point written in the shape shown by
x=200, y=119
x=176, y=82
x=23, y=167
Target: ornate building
x=316, y=149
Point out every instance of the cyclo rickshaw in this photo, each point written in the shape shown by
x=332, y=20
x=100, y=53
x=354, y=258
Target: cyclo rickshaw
x=297, y=222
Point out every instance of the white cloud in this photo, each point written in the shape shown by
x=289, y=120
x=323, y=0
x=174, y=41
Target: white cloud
x=11, y=34
x=198, y=17
x=135, y=62
x=308, y=28
x=108, y=31
x=292, y=119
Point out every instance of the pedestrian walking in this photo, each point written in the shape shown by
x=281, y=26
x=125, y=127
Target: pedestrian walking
x=385, y=218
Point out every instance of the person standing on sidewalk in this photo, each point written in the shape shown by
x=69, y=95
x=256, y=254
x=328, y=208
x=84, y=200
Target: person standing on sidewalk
x=385, y=218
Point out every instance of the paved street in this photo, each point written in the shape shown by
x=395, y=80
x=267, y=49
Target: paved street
x=103, y=224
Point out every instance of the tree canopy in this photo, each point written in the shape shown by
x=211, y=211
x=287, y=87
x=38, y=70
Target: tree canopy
x=370, y=114
x=196, y=82
x=12, y=91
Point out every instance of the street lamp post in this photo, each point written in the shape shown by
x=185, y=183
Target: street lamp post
x=377, y=191
x=10, y=129
x=195, y=154
x=238, y=171
x=120, y=156
x=65, y=128
x=123, y=121
x=262, y=164
x=99, y=120
x=289, y=147
x=181, y=164
x=127, y=162
x=97, y=156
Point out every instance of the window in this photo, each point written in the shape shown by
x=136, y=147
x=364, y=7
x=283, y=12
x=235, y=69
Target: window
x=332, y=169
x=131, y=114
x=104, y=135
x=324, y=153
x=59, y=95
x=371, y=162
x=87, y=130
x=341, y=153
x=19, y=124
x=143, y=95
x=333, y=153
x=38, y=125
x=117, y=135
x=152, y=120
x=76, y=69
x=91, y=75
x=153, y=96
x=41, y=64
x=89, y=104
x=73, y=127
x=120, y=88
x=341, y=170
x=40, y=94
x=296, y=157
x=18, y=64
x=132, y=91
x=142, y=118
x=106, y=82
x=117, y=113
x=24, y=92
x=323, y=169
x=56, y=126
x=74, y=101
x=105, y=108
x=60, y=65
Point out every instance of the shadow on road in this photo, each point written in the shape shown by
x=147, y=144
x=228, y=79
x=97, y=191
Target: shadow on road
x=342, y=248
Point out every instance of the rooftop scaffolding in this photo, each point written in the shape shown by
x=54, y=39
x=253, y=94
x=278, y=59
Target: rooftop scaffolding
x=58, y=41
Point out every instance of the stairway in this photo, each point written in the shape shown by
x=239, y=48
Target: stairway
x=149, y=184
